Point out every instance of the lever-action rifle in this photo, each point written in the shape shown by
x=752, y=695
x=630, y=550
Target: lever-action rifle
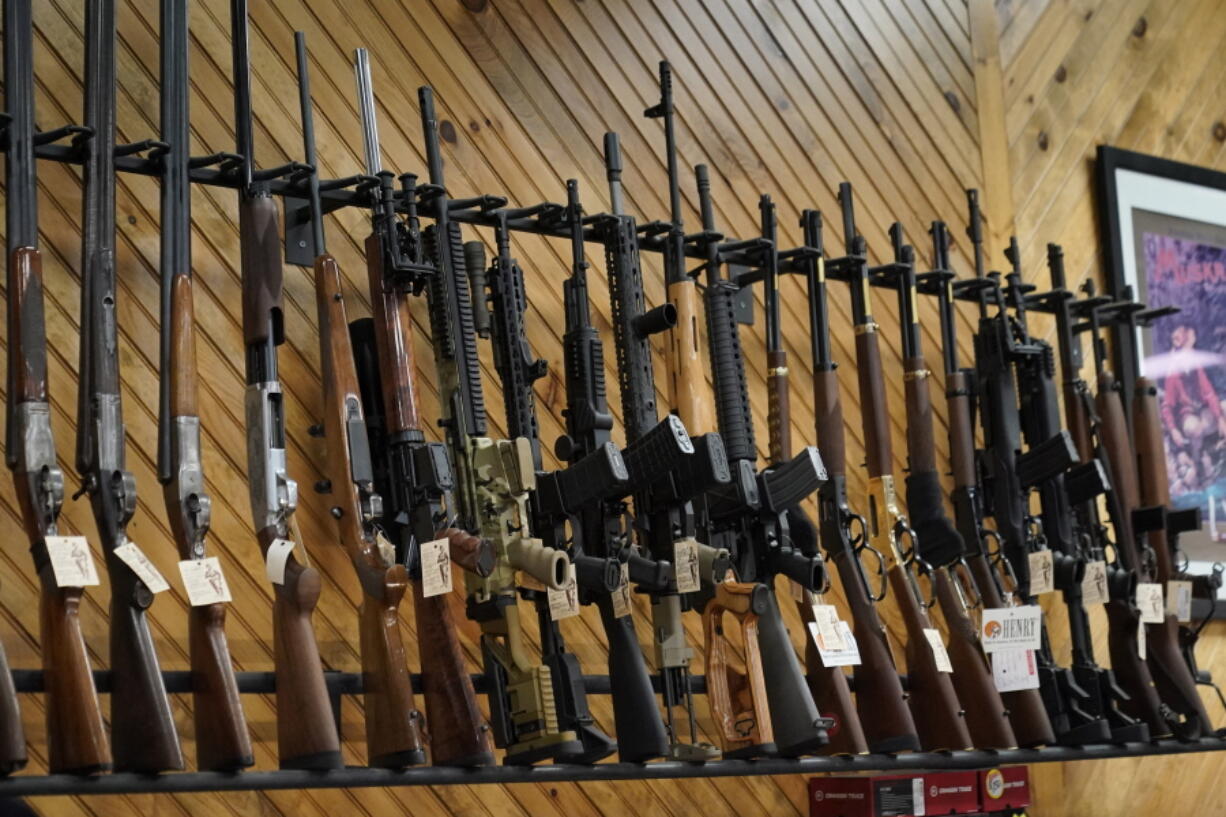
x=222, y=742
x=142, y=726
x=412, y=475
x=306, y=730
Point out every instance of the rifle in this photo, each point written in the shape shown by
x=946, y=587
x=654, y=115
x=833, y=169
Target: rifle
x=1007, y=496
x=412, y=475
x=881, y=721
x=939, y=717
x=939, y=543
x=76, y=738
x=1027, y=715
x=493, y=480
x=222, y=742
x=143, y=728
x=664, y=512
x=306, y=729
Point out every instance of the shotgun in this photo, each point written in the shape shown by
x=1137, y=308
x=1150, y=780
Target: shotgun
x=222, y=742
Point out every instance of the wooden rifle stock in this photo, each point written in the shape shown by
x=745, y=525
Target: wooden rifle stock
x=738, y=699
x=685, y=369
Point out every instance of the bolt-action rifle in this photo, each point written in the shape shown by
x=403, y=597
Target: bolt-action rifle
x=142, y=726
x=939, y=718
x=988, y=568
x=664, y=510
x=222, y=742
x=76, y=737
x=412, y=475
x=939, y=543
x=306, y=729
x=493, y=481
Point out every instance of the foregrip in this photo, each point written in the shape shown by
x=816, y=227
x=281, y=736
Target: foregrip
x=76, y=738
x=732, y=406
x=799, y=728
x=828, y=414
x=636, y=716
x=260, y=237
x=873, y=409
x=222, y=742
x=685, y=368
x=779, y=409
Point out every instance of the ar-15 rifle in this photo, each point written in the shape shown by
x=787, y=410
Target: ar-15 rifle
x=881, y=720
x=1007, y=494
x=394, y=730
x=142, y=726
x=493, y=478
x=222, y=742
x=412, y=475
x=939, y=543
x=988, y=568
x=76, y=737
x=664, y=512
x=940, y=719
x=306, y=729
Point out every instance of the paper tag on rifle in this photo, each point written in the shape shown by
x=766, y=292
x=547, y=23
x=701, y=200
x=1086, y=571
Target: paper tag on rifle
x=71, y=561
x=564, y=603
x=145, y=570
x=204, y=581
x=685, y=564
x=825, y=629
x=1149, y=602
x=435, y=568
x=1179, y=599
x=1016, y=628
x=387, y=551
x=1094, y=585
x=1141, y=641
x=622, y=603
x=1013, y=670
x=275, y=559
x=938, y=649
x=1042, y=572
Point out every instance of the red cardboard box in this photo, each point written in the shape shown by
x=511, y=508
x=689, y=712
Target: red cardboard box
x=914, y=795
x=1004, y=788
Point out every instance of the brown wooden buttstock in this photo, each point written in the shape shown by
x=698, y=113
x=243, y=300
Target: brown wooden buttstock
x=459, y=733
x=394, y=344
x=222, y=742
x=1130, y=671
x=76, y=737
x=779, y=418
x=259, y=227
x=832, y=694
x=474, y=554
x=689, y=398
x=738, y=701
x=182, y=374
x=873, y=407
x=1176, y=686
x=27, y=329
x=393, y=723
x=828, y=412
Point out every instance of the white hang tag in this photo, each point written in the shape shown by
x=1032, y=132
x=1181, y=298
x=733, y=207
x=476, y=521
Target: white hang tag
x=387, y=551
x=564, y=603
x=204, y=581
x=435, y=568
x=938, y=649
x=1094, y=585
x=829, y=633
x=1042, y=572
x=1005, y=628
x=275, y=559
x=1141, y=641
x=685, y=565
x=145, y=570
x=849, y=656
x=622, y=604
x=1179, y=599
x=1150, y=603
x=1014, y=670
x=71, y=561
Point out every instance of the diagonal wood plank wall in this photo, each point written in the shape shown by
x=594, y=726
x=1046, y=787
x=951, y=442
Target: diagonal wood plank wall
x=787, y=97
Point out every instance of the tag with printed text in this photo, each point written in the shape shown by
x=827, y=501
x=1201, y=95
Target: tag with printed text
x=1094, y=585
x=275, y=559
x=435, y=568
x=1013, y=670
x=685, y=563
x=564, y=603
x=1150, y=603
x=204, y=581
x=829, y=635
x=622, y=604
x=71, y=561
x=1016, y=628
x=1042, y=572
x=1179, y=599
x=849, y=656
x=145, y=570
x=938, y=649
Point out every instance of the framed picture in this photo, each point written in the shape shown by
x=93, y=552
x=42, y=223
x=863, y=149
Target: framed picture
x=1164, y=229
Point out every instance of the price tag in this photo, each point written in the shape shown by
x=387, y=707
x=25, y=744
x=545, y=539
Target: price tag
x=387, y=551
x=827, y=634
x=145, y=570
x=622, y=604
x=71, y=561
x=849, y=656
x=685, y=564
x=1014, y=670
x=1149, y=602
x=938, y=649
x=435, y=568
x=1094, y=585
x=564, y=603
x=1018, y=628
x=1179, y=599
x=1042, y=572
x=204, y=581
x=275, y=559
x=1141, y=641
